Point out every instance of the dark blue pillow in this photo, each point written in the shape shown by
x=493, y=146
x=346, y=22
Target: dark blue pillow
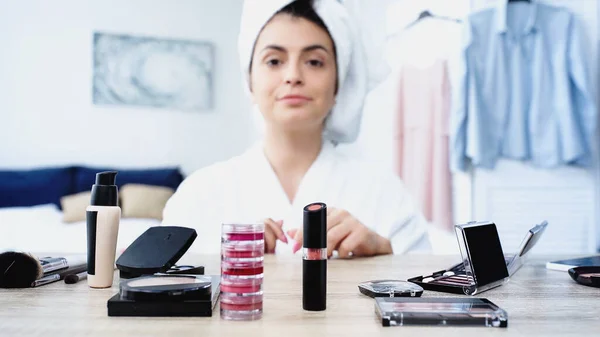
x=168, y=177
x=35, y=187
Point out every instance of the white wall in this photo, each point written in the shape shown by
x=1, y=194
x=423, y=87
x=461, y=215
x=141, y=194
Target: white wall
x=46, y=112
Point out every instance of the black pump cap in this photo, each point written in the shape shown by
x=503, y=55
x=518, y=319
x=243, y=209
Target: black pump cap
x=315, y=225
x=106, y=178
x=104, y=191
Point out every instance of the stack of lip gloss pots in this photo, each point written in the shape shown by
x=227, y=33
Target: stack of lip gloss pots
x=242, y=255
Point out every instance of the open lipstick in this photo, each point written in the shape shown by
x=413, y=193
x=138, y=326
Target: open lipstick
x=314, y=257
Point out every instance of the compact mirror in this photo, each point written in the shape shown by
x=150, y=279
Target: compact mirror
x=390, y=288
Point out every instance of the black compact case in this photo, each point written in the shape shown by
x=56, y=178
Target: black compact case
x=160, y=298
x=156, y=251
x=152, y=285
x=484, y=266
x=588, y=276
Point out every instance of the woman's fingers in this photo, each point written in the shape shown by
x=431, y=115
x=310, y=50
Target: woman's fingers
x=270, y=240
x=335, y=217
x=296, y=235
x=336, y=235
x=278, y=229
x=345, y=233
x=273, y=232
x=352, y=242
x=292, y=232
x=275, y=226
x=339, y=226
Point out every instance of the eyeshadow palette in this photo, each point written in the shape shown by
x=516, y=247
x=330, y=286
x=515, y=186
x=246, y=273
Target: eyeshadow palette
x=415, y=311
x=446, y=281
x=483, y=267
x=451, y=279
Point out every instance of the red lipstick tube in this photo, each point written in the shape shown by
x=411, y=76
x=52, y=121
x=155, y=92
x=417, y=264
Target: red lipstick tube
x=314, y=257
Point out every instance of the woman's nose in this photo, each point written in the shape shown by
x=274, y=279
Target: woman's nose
x=293, y=75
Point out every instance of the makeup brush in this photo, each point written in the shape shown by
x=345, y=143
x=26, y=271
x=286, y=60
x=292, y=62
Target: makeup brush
x=19, y=270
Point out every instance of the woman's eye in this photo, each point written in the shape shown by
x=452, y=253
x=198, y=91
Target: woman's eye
x=273, y=62
x=315, y=63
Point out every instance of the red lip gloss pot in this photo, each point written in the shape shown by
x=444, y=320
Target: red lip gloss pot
x=314, y=257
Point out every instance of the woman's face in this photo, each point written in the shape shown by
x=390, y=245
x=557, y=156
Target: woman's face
x=293, y=74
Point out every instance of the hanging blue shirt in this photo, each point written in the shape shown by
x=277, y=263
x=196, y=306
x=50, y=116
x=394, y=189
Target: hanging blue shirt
x=522, y=90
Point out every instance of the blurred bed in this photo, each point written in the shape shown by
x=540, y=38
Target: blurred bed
x=43, y=210
x=42, y=229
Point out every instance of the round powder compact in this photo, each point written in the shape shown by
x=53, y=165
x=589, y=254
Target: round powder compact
x=588, y=276
x=166, y=288
x=390, y=288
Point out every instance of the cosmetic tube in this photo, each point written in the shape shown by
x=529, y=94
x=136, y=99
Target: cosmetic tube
x=103, y=216
x=314, y=257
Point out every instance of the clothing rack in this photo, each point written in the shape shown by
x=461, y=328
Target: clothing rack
x=427, y=14
x=423, y=15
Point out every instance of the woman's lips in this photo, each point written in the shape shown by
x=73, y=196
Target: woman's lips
x=295, y=99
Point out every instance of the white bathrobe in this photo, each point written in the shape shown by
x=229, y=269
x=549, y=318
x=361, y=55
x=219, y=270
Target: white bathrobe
x=245, y=189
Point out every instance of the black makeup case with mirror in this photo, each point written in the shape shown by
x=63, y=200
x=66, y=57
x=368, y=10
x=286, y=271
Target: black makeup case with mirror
x=157, y=250
x=484, y=264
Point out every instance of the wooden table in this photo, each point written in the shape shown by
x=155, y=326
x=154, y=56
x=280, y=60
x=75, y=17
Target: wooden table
x=539, y=302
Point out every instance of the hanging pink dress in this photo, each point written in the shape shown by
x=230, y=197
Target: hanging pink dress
x=421, y=139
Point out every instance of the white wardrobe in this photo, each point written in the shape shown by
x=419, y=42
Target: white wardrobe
x=516, y=196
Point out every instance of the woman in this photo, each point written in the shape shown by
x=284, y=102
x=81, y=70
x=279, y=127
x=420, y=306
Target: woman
x=306, y=74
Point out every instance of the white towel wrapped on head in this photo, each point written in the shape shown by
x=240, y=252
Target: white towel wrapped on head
x=357, y=73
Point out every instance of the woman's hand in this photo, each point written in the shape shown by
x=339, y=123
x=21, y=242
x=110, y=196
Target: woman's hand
x=348, y=236
x=273, y=232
